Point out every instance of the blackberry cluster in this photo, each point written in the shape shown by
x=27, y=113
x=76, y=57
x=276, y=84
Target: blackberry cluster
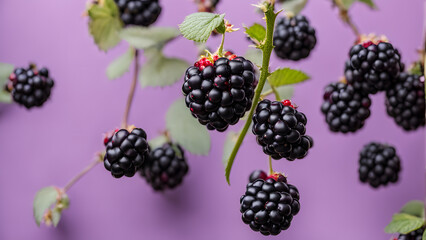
x=257, y=174
x=126, y=152
x=219, y=93
x=378, y=164
x=207, y=5
x=345, y=109
x=30, y=87
x=414, y=235
x=165, y=167
x=269, y=206
x=294, y=38
x=405, y=101
x=280, y=130
x=373, y=67
x=139, y=12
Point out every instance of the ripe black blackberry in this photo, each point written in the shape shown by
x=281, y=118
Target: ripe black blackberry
x=165, y=167
x=257, y=174
x=405, y=101
x=126, y=152
x=414, y=235
x=373, y=67
x=378, y=164
x=294, y=38
x=219, y=92
x=138, y=12
x=280, y=130
x=30, y=87
x=206, y=5
x=269, y=206
x=345, y=108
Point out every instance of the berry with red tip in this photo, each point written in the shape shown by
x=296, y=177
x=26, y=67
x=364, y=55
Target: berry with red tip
x=280, y=130
x=414, y=235
x=257, y=174
x=345, y=109
x=218, y=93
x=268, y=206
x=30, y=87
x=125, y=152
x=373, y=67
x=379, y=164
x=138, y=12
x=405, y=101
x=294, y=38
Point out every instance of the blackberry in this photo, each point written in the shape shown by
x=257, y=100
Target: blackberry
x=206, y=5
x=30, y=87
x=378, y=164
x=268, y=206
x=345, y=108
x=165, y=167
x=138, y=12
x=414, y=235
x=280, y=130
x=294, y=38
x=373, y=67
x=257, y=174
x=219, y=91
x=405, y=101
x=126, y=151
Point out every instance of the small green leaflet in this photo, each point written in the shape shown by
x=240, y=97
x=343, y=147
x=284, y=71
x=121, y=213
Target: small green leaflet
x=160, y=70
x=348, y=3
x=231, y=139
x=286, y=76
x=198, y=26
x=294, y=6
x=105, y=24
x=254, y=55
x=370, y=3
x=5, y=70
x=120, y=65
x=185, y=130
x=143, y=38
x=44, y=198
x=404, y=223
x=415, y=208
x=56, y=216
x=157, y=141
x=256, y=32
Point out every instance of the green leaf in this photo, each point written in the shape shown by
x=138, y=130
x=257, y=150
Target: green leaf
x=231, y=139
x=185, y=130
x=56, y=216
x=198, y=26
x=256, y=32
x=159, y=70
x=120, y=65
x=254, y=55
x=157, y=141
x=105, y=24
x=347, y=3
x=143, y=38
x=404, y=223
x=294, y=6
x=285, y=76
x=44, y=198
x=370, y=3
x=424, y=235
x=5, y=70
x=415, y=208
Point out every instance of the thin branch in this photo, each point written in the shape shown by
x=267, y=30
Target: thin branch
x=344, y=15
x=131, y=92
x=82, y=173
x=271, y=170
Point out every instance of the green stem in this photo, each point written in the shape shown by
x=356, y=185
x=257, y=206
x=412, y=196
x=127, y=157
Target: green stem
x=267, y=48
x=266, y=93
x=276, y=93
x=220, y=50
x=271, y=170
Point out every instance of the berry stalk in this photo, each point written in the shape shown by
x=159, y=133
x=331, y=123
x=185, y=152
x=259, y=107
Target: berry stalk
x=271, y=170
x=266, y=48
x=82, y=173
x=131, y=92
x=344, y=15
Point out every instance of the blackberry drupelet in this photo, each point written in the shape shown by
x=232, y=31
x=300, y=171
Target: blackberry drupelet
x=268, y=206
x=126, y=152
x=373, y=67
x=257, y=174
x=30, y=87
x=414, y=235
x=165, y=167
x=138, y=12
x=378, y=164
x=405, y=101
x=280, y=130
x=294, y=38
x=220, y=90
x=345, y=108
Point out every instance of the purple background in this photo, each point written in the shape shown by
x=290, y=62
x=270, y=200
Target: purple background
x=48, y=146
